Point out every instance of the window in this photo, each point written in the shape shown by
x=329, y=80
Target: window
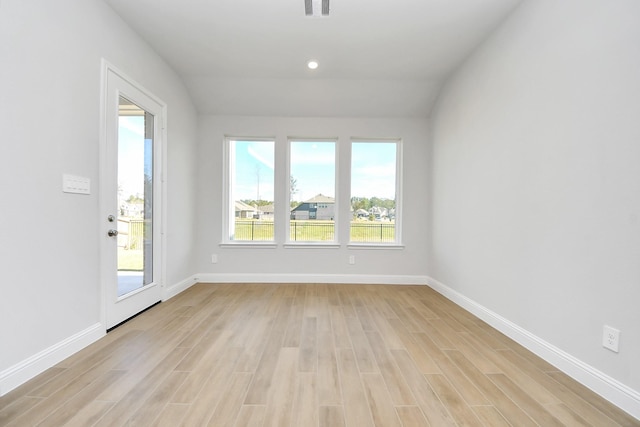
x=251, y=190
x=307, y=200
x=312, y=189
x=374, y=192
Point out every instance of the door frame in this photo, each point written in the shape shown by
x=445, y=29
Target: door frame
x=106, y=206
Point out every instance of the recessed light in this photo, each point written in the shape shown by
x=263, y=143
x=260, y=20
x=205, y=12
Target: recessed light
x=312, y=64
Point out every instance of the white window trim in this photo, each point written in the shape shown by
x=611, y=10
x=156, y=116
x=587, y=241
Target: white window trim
x=375, y=246
x=311, y=245
x=282, y=217
x=249, y=244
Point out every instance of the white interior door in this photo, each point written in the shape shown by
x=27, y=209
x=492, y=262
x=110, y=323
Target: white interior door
x=131, y=198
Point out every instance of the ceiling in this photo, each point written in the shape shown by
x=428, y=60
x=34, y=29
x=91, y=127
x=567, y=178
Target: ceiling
x=377, y=58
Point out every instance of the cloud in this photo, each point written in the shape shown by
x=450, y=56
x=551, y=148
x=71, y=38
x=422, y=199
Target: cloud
x=382, y=188
x=248, y=191
x=388, y=170
x=320, y=153
x=132, y=124
x=264, y=156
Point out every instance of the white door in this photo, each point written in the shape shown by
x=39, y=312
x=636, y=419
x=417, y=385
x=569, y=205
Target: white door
x=131, y=193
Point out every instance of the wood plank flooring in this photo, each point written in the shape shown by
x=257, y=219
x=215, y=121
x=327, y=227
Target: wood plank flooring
x=306, y=355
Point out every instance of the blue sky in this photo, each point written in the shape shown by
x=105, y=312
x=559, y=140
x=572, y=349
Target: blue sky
x=373, y=170
x=131, y=155
x=313, y=166
x=254, y=170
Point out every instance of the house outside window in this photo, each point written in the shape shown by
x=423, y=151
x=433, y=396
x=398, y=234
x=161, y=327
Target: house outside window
x=312, y=172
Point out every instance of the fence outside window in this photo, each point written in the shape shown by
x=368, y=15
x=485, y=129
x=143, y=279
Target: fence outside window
x=315, y=231
x=373, y=232
x=312, y=231
x=130, y=233
x=252, y=230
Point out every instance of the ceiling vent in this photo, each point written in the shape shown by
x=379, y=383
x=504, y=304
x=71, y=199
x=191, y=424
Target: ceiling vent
x=316, y=7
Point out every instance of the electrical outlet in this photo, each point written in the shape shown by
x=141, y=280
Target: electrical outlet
x=214, y=258
x=352, y=259
x=610, y=338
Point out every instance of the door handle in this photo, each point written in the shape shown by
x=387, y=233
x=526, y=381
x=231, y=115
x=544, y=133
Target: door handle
x=112, y=233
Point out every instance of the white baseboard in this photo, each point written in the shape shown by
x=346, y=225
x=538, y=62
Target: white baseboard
x=311, y=278
x=181, y=286
x=22, y=372
x=609, y=388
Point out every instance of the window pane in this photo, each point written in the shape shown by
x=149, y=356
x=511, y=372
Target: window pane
x=373, y=192
x=251, y=178
x=312, y=191
x=135, y=197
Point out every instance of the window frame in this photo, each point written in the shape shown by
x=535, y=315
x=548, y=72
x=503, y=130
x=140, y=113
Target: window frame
x=228, y=211
x=397, y=243
x=336, y=185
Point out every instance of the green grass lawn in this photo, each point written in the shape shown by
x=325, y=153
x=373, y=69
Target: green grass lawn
x=253, y=230
x=130, y=259
x=312, y=231
x=371, y=231
x=316, y=231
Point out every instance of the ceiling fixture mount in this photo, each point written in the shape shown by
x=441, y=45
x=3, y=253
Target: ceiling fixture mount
x=316, y=7
x=312, y=64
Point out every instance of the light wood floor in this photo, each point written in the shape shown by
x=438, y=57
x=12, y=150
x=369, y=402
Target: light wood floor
x=306, y=355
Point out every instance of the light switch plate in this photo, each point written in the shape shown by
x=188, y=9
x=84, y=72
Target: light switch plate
x=76, y=184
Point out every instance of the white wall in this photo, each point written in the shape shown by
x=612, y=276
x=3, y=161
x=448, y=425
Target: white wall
x=536, y=178
x=311, y=263
x=50, y=55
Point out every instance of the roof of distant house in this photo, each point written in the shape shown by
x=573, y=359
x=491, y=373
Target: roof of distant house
x=267, y=208
x=321, y=199
x=242, y=206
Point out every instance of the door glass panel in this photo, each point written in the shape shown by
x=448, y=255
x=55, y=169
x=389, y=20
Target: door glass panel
x=135, y=197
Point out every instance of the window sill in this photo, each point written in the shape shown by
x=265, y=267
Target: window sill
x=249, y=245
x=374, y=246
x=311, y=245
